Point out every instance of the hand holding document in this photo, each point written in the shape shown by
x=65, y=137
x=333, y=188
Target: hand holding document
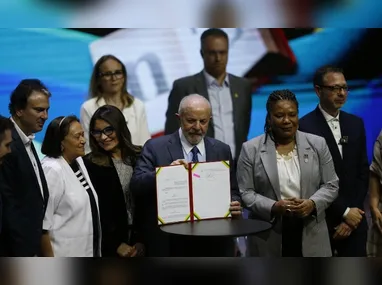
x=203, y=191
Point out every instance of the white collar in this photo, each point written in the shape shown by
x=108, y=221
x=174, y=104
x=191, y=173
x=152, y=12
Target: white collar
x=327, y=116
x=188, y=147
x=211, y=80
x=24, y=138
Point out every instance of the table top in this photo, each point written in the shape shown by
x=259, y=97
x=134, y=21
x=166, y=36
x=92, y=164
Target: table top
x=218, y=227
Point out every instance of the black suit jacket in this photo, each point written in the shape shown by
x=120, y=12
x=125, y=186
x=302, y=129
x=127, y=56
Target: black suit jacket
x=352, y=168
x=241, y=94
x=162, y=151
x=23, y=205
x=112, y=207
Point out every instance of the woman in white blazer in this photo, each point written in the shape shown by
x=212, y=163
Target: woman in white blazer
x=108, y=87
x=71, y=224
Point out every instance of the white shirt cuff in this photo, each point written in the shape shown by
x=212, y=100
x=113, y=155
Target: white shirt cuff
x=346, y=212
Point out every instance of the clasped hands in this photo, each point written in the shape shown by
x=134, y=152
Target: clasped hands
x=351, y=221
x=125, y=250
x=293, y=207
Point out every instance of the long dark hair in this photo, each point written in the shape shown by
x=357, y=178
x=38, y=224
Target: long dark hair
x=115, y=118
x=95, y=88
x=274, y=97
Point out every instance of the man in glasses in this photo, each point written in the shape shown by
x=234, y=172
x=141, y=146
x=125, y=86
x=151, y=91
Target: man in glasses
x=346, y=138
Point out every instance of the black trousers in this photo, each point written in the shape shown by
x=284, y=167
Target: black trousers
x=292, y=237
x=187, y=246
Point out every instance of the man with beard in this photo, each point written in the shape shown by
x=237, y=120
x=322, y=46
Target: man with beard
x=185, y=145
x=23, y=186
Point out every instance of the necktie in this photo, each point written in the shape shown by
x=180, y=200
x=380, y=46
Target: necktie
x=195, y=151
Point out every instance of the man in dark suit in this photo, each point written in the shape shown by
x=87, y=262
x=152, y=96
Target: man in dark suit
x=230, y=96
x=23, y=186
x=6, y=127
x=181, y=147
x=346, y=138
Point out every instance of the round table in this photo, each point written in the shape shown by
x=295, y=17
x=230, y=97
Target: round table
x=218, y=228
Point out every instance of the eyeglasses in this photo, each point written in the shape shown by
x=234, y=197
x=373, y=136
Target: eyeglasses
x=336, y=88
x=118, y=74
x=106, y=131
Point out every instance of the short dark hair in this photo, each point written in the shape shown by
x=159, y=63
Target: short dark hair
x=5, y=124
x=116, y=119
x=57, y=130
x=20, y=95
x=274, y=97
x=213, y=32
x=320, y=73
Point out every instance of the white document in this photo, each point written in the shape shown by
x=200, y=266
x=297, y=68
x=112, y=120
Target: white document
x=173, y=194
x=211, y=189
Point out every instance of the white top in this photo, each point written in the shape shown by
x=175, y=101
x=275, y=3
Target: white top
x=288, y=168
x=334, y=125
x=68, y=216
x=135, y=116
x=27, y=141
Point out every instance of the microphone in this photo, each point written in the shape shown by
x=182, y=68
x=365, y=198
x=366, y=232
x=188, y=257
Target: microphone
x=344, y=140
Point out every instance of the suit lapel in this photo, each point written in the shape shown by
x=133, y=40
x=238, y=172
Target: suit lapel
x=201, y=85
x=305, y=157
x=326, y=132
x=42, y=176
x=211, y=154
x=269, y=161
x=175, y=146
x=20, y=148
x=346, y=131
x=235, y=94
x=201, y=89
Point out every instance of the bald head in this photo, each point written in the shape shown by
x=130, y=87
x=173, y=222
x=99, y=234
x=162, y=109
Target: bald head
x=194, y=101
x=194, y=114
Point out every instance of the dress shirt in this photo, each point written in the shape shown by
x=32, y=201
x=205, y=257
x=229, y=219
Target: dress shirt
x=28, y=141
x=222, y=110
x=334, y=125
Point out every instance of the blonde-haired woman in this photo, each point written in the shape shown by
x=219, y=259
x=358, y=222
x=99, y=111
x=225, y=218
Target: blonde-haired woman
x=108, y=87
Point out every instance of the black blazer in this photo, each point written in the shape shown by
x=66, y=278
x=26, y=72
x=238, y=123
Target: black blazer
x=162, y=151
x=23, y=205
x=241, y=94
x=352, y=168
x=112, y=207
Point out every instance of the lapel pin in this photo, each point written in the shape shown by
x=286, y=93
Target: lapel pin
x=236, y=95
